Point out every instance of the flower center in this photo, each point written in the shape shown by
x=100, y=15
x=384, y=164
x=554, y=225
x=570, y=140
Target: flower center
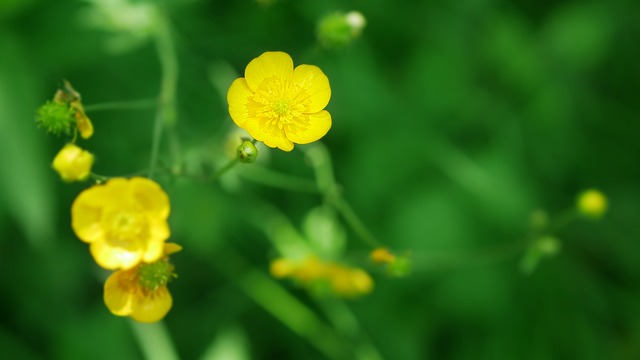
x=126, y=228
x=280, y=104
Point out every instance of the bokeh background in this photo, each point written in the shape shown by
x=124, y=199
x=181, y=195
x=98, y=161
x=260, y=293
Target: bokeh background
x=453, y=122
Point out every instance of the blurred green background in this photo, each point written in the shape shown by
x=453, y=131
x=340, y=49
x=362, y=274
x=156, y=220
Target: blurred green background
x=453, y=122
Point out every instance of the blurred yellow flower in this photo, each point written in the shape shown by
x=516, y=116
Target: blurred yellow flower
x=141, y=292
x=382, y=256
x=342, y=280
x=124, y=220
x=592, y=203
x=73, y=163
x=280, y=105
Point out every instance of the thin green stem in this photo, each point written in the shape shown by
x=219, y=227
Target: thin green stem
x=353, y=220
x=228, y=166
x=268, y=177
x=323, y=168
x=154, y=340
x=166, y=113
x=122, y=105
x=277, y=301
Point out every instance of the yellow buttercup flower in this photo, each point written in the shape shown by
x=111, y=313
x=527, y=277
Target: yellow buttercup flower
x=141, y=292
x=73, y=163
x=123, y=220
x=280, y=105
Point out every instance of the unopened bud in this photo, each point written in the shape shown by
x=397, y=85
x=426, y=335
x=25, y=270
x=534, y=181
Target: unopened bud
x=247, y=152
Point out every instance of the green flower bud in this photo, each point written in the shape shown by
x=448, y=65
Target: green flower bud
x=56, y=117
x=247, y=152
x=339, y=29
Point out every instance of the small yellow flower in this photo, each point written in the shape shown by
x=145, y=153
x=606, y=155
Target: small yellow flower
x=382, y=256
x=592, y=203
x=73, y=163
x=141, y=292
x=342, y=280
x=123, y=220
x=280, y=105
x=349, y=282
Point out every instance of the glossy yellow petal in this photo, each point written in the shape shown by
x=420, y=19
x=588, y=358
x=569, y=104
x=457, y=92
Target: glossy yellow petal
x=153, y=306
x=239, y=98
x=118, y=293
x=112, y=258
x=154, y=251
x=151, y=197
x=312, y=82
x=270, y=135
x=309, y=128
x=270, y=64
x=86, y=213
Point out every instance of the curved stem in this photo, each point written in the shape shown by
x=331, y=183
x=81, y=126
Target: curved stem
x=122, y=105
x=166, y=113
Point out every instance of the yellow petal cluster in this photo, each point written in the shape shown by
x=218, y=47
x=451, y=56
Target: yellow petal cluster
x=123, y=220
x=280, y=105
x=125, y=293
x=343, y=280
x=73, y=163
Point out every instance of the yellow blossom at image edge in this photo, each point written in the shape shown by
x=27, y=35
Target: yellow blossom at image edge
x=280, y=105
x=125, y=296
x=123, y=220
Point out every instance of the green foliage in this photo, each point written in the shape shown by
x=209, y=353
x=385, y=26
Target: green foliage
x=453, y=122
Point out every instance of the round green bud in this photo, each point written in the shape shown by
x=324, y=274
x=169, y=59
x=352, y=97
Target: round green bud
x=247, y=152
x=339, y=29
x=152, y=276
x=56, y=117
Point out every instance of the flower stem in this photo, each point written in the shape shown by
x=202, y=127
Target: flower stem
x=323, y=168
x=122, y=105
x=353, y=220
x=166, y=113
x=230, y=165
x=154, y=340
x=277, y=301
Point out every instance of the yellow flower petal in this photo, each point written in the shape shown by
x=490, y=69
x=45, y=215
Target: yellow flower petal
x=270, y=64
x=270, y=135
x=151, y=197
x=309, y=128
x=154, y=251
x=112, y=258
x=153, y=306
x=314, y=83
x=117, y=293
x=238, y=97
